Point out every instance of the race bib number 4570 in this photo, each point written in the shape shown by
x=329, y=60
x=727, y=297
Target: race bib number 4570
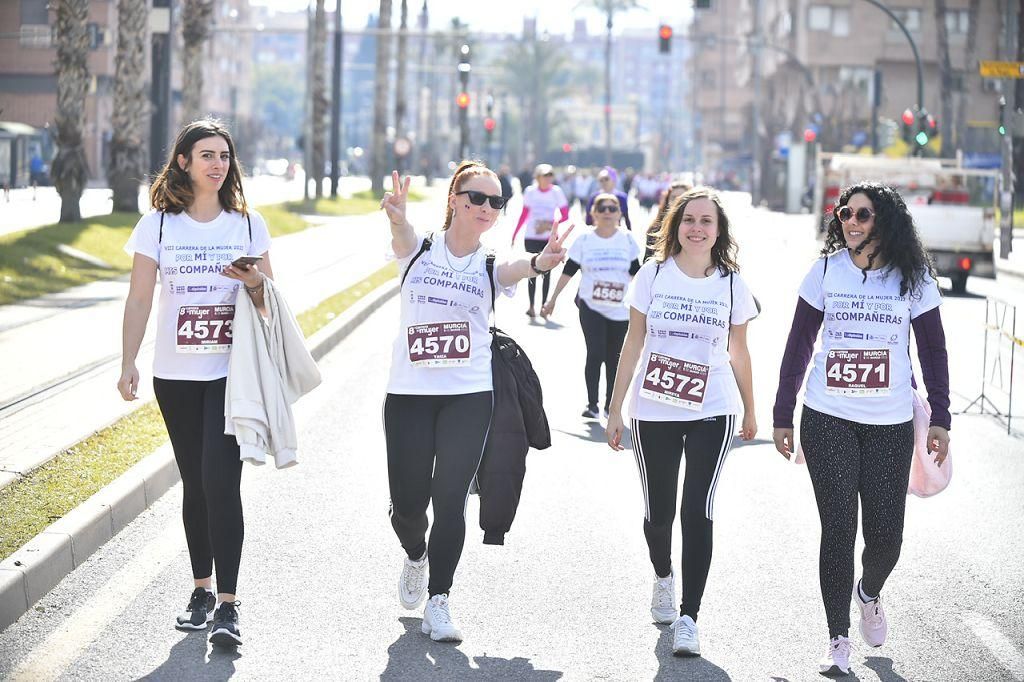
x=205, y=328
x=857, y=373
x=677, y=382
x=440, y=344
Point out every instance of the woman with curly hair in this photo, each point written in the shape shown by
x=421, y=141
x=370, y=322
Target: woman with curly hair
x=674, y=191
x=873, y=284
x=688, y=314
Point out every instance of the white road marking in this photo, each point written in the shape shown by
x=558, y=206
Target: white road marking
x=1008, y=655
x=56, y=653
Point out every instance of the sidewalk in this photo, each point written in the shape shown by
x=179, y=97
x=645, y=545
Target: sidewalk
x=69, y=343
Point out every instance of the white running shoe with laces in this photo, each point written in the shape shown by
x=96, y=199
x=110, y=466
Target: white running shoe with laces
x=873, y=626
x=663, y=600
x=412, y=584
x=437, y=620
x=685, y=642
x=837, y=660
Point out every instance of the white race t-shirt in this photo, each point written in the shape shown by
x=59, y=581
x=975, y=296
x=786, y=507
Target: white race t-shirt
x=196, y=304
x=443, y=345
x=543, y=208
x=684, y=373
x=862, y=370
x=604, y=265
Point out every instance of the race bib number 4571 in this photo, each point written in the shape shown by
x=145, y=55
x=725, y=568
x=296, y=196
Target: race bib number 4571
x=857, y=373
x=205, y=328
x=440, y=344
x=677, y=382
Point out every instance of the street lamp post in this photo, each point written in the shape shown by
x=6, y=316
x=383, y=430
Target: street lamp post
x=162, y=25
x=336, y=76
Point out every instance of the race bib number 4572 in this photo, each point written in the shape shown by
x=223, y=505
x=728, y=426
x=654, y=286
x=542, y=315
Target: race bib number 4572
x=857, y=373
x=440, y=344
x=205, y=328
x=677, y=382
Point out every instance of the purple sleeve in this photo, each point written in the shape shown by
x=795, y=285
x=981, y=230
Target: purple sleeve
x=799, y=347
x=624, y=203
x=931, y=351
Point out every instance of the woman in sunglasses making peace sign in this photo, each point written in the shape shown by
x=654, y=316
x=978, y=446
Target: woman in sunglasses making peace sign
x=873, y=285
x=439, y=398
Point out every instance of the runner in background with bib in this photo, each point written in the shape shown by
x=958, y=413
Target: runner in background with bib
x=439, y=398
x=874, y=284
x=199, y=226
x=688, y=317
x=544, y=206
x=609, y=258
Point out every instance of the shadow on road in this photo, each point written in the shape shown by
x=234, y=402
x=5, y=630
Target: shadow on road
x=591, y=430
x=683, y=668
x=187, y=661
x=739, y=443
x=882, y=667
x=414, y=656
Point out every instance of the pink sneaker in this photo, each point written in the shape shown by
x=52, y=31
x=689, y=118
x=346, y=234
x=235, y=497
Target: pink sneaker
x=873, y=626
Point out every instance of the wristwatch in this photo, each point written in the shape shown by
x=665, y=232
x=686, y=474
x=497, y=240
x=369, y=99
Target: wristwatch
x=533, y=265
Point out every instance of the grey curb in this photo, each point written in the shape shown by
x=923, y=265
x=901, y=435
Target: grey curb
x=31, y=572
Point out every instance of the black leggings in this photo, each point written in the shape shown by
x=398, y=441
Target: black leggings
x=659, y=447
x=536, y=246
x=435, y=444
x=604, y=339
x=846, y=459
x=211, y=473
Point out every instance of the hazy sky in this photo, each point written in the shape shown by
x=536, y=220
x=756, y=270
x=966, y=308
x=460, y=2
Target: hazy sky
x=554, y=16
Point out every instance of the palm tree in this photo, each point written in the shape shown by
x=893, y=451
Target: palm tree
x=131, y=106
x=196, y=18
x=400, y=93
x=70, y=170
x=609, y=7
x=378, y=156
x=319, y=92
x=945, y=82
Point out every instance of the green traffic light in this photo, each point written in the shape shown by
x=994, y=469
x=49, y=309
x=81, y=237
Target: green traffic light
x=1002, y=130
x=922, y=138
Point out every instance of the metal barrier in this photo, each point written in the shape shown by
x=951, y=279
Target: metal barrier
x=997, y=362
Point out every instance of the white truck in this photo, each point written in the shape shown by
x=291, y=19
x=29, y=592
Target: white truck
x=953, y=207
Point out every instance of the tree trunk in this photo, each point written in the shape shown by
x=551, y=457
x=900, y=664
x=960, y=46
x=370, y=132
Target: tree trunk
x=608, y=91
x=70, y=170
x=380, y=99
x=400, y=93
x=949, y=144
x=319, y=104
x=196, y=19
x=128, y=146
x=970, y=73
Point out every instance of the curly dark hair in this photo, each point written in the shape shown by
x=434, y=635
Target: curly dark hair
x=723, y=252
x=895, y=234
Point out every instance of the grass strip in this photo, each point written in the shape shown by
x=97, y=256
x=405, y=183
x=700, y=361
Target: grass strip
x=46, y=494
x=360, y=203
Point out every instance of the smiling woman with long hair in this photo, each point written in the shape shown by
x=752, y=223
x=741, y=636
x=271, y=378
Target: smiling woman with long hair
x=873, y=284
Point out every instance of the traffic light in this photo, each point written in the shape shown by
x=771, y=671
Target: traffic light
x=1002, y=116
x=664, y=39
x=907, y=119
x=489, y=125
x=462, y=100
x=923, y=129
x=810, y=135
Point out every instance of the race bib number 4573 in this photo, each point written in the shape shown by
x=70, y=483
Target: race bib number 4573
x=857, y=373
x=440, y=344
x=205, y=328
x=677, y=382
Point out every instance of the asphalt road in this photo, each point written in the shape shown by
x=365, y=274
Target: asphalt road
x=567, y=597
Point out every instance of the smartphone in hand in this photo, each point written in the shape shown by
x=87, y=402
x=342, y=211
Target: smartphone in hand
x=243, y=262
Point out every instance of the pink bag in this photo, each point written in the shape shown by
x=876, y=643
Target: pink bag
x=926, y=477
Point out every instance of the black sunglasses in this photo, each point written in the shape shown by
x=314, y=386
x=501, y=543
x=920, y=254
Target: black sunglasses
x=845, y=213
x=606, y=208
x=478, y=198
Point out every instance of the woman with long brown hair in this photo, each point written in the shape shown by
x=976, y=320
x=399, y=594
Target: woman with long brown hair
x=437, y=412
x=688, y=317
x=194, y=237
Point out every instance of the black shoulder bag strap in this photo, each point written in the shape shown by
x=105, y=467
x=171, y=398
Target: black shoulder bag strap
x=490, y=280
x=728, y=320
x=160, y=239
x=428, y=241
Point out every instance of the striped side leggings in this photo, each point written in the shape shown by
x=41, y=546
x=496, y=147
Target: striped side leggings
x=659, y=449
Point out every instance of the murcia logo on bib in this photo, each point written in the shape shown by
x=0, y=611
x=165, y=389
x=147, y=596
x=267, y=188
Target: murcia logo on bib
x=439, y=344
x=857, y=372
x=677, y=382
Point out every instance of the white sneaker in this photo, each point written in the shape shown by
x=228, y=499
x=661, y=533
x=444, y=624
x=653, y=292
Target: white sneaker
x=437, y=621
x=837, y=660
x=873, y=626
x=663, y=601
x=685, y=642
x=412, y=584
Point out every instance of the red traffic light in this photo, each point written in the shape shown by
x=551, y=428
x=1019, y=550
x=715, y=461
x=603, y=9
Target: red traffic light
x=462, y=100
x=810, y=135
x=566, y=147
x=908, y=117
x=932, y=123
x=665, y=32
x=489, y=124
